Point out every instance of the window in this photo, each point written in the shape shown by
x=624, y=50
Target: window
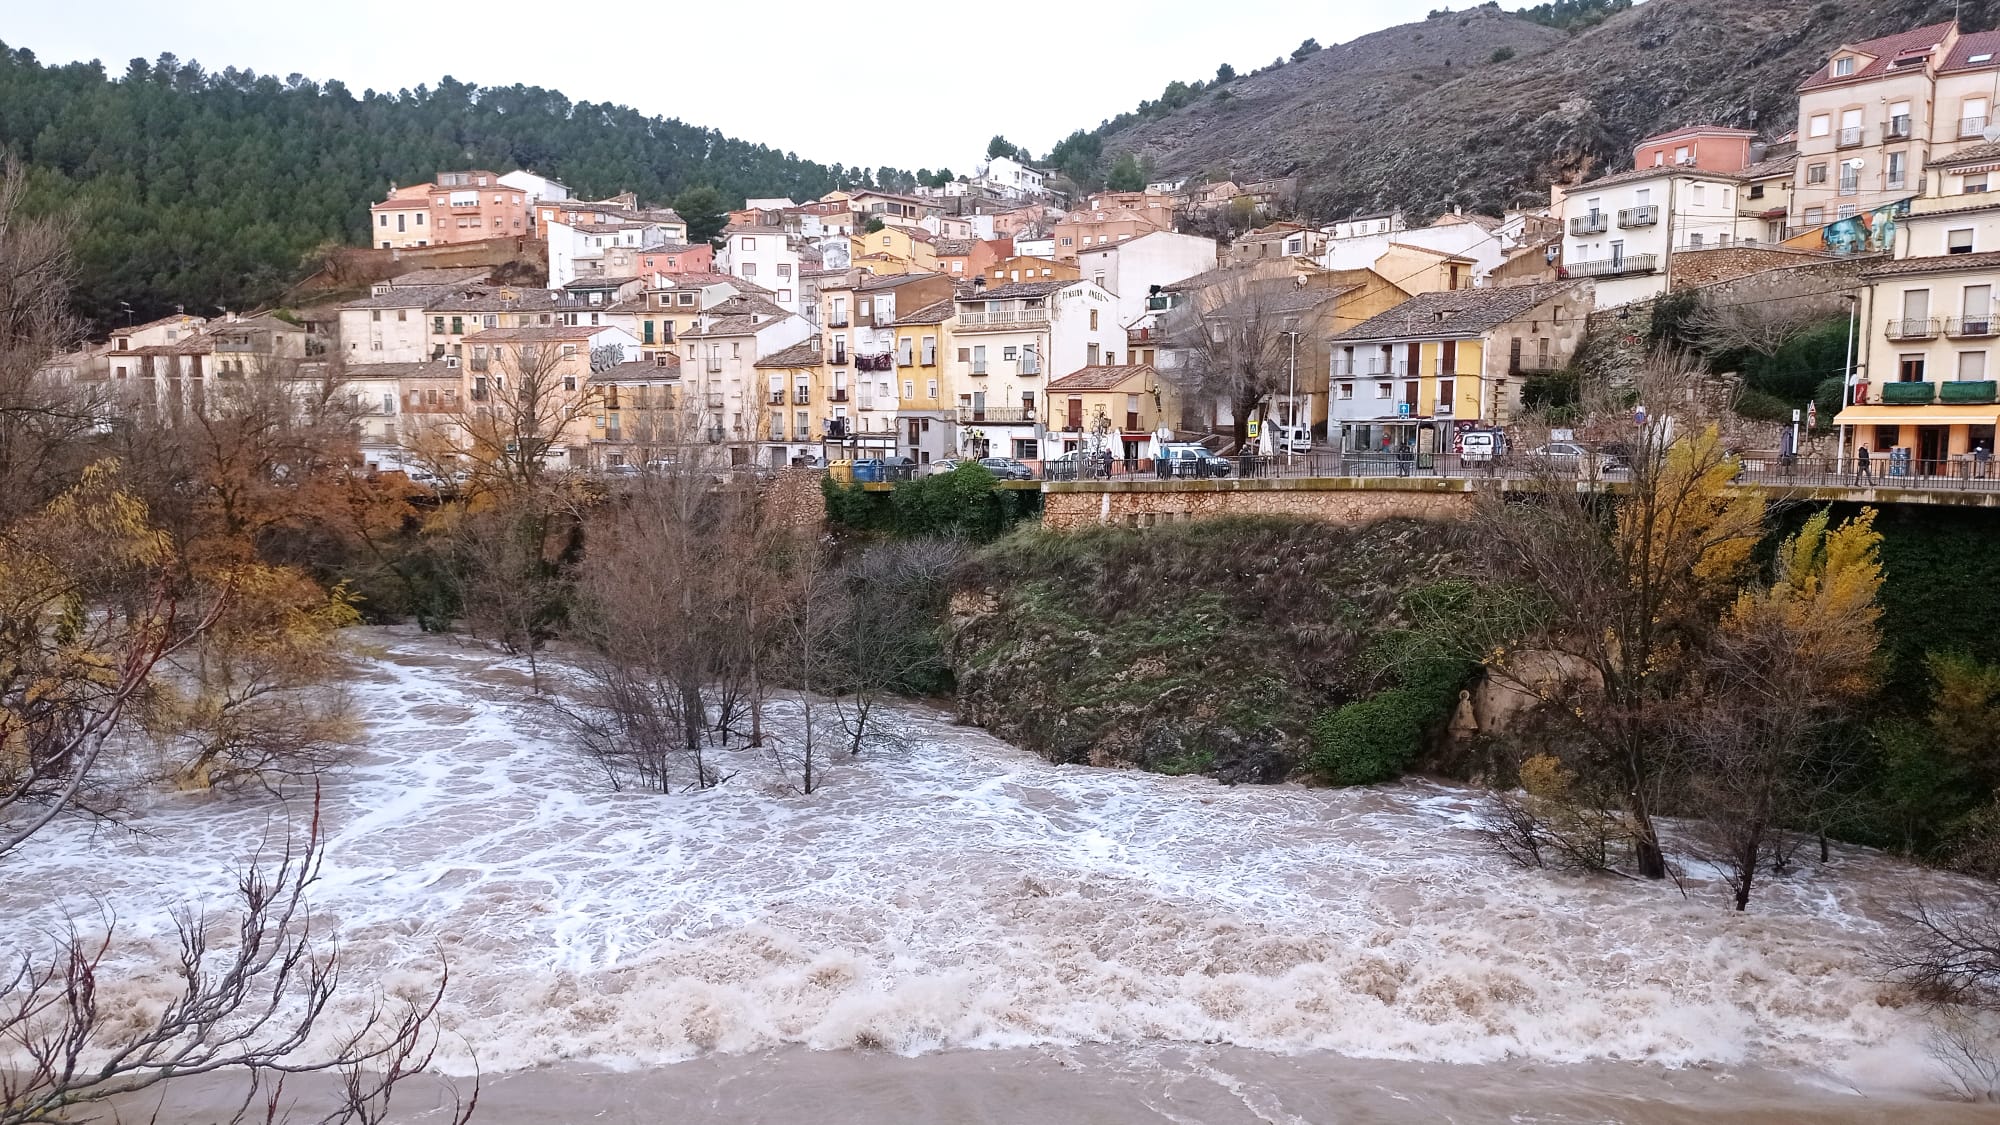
x=1682, y=154
x=376, y=315
x=746, y=244
x=1815, y=216
x=784, y=295
x=930, y=388
x=569, y=382
x=1958, y=241
x=1910, y=368
x=1892, y=171
x=1384, y=390
x=1093, y=320
x=1975, y=184
x=1820, y=126
x=785, y=270
x=749, y=269
x=1090, y=353
x=1699, y=194
x=1843, y=66
x=1971, y=366
x=1347, y=390
x=909, y=388
x=1816, y=173
x=1694, y=241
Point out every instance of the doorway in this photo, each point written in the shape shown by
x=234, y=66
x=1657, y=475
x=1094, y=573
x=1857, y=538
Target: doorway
x=1932, y=444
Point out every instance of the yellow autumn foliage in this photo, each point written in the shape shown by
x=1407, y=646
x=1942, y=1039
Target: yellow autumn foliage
x=1822, y=601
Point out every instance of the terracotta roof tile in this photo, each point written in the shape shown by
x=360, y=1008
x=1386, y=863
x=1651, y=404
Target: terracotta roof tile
x=1102, y=377
x=1881, y=53
x=1455, y=313
x=805, y=354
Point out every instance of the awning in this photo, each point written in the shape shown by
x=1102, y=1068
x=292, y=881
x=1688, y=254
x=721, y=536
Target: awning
x=1980, y=414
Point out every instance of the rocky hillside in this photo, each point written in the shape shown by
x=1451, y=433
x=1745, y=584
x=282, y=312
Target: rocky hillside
x=1482, y=108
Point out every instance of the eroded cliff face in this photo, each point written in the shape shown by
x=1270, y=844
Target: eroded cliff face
x=1482, y=109
x=1201, y=647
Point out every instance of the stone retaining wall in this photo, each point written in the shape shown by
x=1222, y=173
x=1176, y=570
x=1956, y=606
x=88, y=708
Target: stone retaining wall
x=1338, y=500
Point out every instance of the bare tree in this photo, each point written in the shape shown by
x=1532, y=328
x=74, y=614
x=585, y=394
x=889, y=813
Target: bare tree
x=1631, y=590
x=1786, y=303
x=1233, y=340
x=46, y=423
x=891, y=609
x=251, y=1009
x=659, y=611
x=537, y=394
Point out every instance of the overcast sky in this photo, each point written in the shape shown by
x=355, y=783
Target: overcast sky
x=906, y=84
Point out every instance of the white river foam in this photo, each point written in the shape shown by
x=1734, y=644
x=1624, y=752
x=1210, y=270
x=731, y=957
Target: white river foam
x=947, y=891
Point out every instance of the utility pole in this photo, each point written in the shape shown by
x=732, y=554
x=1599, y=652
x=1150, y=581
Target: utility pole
x=1846, y=381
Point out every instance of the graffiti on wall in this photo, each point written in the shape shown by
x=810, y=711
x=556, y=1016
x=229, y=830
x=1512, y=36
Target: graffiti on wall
x=1869, y=232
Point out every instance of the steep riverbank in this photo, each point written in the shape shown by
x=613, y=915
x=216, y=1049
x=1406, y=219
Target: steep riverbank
x=1206, y=647
x=950, y=896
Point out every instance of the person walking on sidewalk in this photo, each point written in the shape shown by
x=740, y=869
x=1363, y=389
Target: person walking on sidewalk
x=1861, y=468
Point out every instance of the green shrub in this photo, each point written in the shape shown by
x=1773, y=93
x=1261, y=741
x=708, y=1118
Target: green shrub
x=1500, y=54
x=1375, y=739
x=1761, y=406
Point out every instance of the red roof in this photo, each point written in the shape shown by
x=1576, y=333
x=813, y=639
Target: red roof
x=403, y=205
x=1880, y=53
x=1968, y=47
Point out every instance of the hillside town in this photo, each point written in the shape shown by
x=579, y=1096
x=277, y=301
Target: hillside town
x=992, y=316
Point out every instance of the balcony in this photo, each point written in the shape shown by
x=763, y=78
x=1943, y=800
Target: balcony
x=1849, y=137
x=801, y=397
x=998, y=415
x=477, y=363
x=840, y=357
x=1968, y=390
x=1971, y=327
x=776, y=398
x=1896, y=128
x=837, y=394
x=1643, y=216
x=1907, y=394
x=715, y=400
x=1612, y=267
x=1971, y=126
x=1375, y=365
x=1003, y=318
x=839, y=321
x=1597, y=222
x=1912, y=328
x=1850, y=185
x=979, y=367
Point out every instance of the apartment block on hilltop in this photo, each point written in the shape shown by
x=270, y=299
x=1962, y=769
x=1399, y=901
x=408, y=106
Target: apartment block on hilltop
x=456, y=207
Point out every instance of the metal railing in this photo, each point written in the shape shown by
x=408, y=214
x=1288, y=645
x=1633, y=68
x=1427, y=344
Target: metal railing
x=996, y=414
x=988, y=318
x=1850, y=137
x=1595, y=223
x=1912, y=328
x=1970, y=327
x=1896, y=128
x=1612, y=267
x=1642, y=216
x=1971, y=126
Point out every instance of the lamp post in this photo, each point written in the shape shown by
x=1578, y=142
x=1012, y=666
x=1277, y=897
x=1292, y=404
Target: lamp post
x=1291, y=398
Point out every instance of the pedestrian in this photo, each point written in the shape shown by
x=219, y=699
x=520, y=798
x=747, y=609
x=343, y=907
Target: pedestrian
x=1982, y=459
x=1861, y=468
x=1405, y=453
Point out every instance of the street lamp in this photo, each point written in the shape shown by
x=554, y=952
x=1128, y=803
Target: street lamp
x=1291, y=398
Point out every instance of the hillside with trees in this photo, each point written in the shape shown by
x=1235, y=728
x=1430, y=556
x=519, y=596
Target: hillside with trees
x=1483, y=108
x=205, y=189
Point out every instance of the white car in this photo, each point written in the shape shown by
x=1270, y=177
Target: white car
x=1571, y=457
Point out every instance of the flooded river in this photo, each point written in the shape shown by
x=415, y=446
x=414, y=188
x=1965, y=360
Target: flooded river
x=955, y=931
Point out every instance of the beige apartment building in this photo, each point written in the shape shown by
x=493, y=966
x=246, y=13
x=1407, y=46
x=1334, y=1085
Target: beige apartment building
x=1879, y=111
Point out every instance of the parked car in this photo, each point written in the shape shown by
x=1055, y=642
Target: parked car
x=1185, y=459
x=944, y=465
x=621, y=470
x=1074, y=463
x=1006, y=468
x=1568, y=456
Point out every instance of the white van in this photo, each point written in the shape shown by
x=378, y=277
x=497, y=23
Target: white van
x=1480, y=445
x=1291, y=439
